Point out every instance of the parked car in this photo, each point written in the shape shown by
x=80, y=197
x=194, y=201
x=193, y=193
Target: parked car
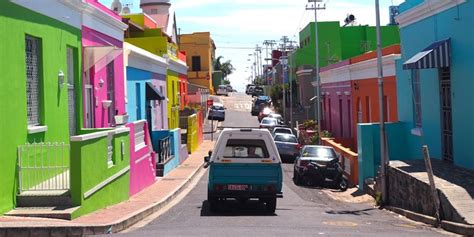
x=278, y=117
x=244, y=165
x=249, y=89
x=287, y=145
x=217, y=112
x=264, y=113
x=222, y=90
x=269, y=123
x=282, y=130
x=258, y=91
x=317, y=165
x=259, y=105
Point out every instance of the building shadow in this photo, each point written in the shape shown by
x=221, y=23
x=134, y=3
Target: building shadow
x=236, y=208
x=361, y=212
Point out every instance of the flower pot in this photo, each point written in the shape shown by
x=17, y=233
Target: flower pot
x=121, y=119
x=106, y=104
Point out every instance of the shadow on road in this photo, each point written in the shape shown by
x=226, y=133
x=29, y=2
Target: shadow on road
x=236, y=208
x=365, y=212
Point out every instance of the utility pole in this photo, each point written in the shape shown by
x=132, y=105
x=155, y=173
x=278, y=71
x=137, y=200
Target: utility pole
x=317, y=81
x=292, y=48
x=267, y=58
x=284, y=63
x=383, y=141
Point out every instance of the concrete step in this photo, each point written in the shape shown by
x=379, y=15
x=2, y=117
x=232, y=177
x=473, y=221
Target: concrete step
x=57, y=212
x=44, y=199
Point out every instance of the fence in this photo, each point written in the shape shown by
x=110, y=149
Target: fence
x=43, y=167
x=348, y=158
x=164, y=150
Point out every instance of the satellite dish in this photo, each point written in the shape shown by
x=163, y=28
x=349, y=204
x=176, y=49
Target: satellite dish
x=116, y=6
x=349, y=19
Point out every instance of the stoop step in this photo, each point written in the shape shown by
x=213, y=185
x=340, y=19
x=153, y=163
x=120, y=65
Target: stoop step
x=58, y=212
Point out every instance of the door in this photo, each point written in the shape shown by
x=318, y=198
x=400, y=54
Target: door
x=446, y=114
x=71, y=93
x=89, y=101
x=111, y=92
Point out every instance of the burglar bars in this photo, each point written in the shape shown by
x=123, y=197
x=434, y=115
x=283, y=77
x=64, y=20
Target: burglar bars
x=43, y=167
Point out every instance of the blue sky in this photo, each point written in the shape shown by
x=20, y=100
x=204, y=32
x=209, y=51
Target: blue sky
x=237, y=26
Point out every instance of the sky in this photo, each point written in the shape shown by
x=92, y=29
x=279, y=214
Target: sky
x=237, y=26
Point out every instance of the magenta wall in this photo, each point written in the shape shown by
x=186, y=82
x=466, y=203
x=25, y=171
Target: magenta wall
x=91, y=37
x=142, y=162
x=105, y=9
x=337, y=109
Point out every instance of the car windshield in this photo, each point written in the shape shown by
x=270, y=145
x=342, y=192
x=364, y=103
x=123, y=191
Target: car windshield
x=279, y=130
x=217, y=107
x=318, y=152
x=243, y=148
x=269, y=121
x=286, y=138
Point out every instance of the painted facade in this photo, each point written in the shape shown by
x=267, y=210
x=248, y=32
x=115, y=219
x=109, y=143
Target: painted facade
x=336, y=44
x=47, y=119
x=103, y=86
x=350, y=94
x=200, y=51
x=430, y=112
x=146, y=107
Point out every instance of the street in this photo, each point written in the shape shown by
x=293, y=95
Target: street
x=303, y=211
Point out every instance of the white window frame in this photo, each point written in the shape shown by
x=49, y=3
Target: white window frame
x=33, y=82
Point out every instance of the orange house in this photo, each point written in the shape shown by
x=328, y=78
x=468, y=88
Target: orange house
x=350, y=94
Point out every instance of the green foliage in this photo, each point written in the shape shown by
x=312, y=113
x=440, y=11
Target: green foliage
x=226, y=68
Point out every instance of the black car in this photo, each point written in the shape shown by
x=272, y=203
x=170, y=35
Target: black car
x=259, y=104
x=258, y=91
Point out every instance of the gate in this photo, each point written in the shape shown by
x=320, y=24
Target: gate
x=43, y=167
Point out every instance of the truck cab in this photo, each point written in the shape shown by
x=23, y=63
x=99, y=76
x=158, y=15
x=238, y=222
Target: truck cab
x=245, y=164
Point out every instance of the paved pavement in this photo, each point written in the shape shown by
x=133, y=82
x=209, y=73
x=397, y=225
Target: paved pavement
x=303, y=211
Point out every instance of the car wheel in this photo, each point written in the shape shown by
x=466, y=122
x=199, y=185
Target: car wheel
x=343, y=185
x=296, y=178
x=270, y=205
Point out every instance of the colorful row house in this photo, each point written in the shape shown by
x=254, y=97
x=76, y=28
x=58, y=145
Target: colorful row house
x=53, y=154
x=434, y=83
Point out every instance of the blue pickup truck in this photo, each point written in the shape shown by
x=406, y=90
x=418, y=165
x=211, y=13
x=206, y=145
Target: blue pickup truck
x=245, y=164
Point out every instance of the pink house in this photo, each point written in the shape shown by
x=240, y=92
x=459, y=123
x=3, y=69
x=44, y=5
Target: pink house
x=103, y=70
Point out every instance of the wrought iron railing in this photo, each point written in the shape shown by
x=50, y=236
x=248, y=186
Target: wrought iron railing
x=43, y=167
x=164, y=150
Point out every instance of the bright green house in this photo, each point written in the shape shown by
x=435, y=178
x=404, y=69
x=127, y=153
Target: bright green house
x=47, y=159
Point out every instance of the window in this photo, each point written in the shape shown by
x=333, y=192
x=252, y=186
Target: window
x=318, y=152
x=368, y=113
x=341, y=119
x=111, y=92
x=71, y=56
x=154, y=11
x=286, y=138
x=196, y=63
x=415, y=81
x=240, y=148
x=138, y=101
x=33, y=63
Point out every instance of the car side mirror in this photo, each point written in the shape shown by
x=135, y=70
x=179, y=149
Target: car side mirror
x=209, y=153
x=206, y=159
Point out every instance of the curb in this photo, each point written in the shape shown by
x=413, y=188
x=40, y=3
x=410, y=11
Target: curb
x=458, y=228
x=114, y=227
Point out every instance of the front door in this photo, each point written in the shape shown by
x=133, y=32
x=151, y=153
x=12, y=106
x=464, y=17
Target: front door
x=446, y=114
x=71, y=92
x=111, y=92
x=89, y=101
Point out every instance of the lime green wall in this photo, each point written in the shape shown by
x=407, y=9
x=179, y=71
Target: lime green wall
x=157, y=45
x=173, y=103
x=89, y=168
x=15, y=23
x=338, y=43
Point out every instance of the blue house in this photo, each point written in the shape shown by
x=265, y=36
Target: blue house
x=435, y=79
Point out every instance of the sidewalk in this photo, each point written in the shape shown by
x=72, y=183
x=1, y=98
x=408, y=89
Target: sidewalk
x=118, y=217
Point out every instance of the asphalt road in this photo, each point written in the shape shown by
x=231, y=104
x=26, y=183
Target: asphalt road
x=303, y=211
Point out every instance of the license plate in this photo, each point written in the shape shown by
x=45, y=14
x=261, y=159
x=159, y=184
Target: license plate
x=235, y=187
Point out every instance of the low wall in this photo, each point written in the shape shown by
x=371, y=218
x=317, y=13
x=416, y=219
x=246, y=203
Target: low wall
x=142, y=158
x=348, y=159
x=95, y=182
x=173, y=162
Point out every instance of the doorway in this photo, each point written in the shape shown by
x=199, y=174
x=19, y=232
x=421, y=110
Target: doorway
x=446, y=114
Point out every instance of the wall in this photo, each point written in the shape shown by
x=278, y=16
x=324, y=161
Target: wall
x=136, y=78
x=95, y=185
x=142, y=160
x=176, y=146
x=98, y=72
x=15, y=23
x=160, y=114
x=337, y=106
x=172, y=87
x=451, y=23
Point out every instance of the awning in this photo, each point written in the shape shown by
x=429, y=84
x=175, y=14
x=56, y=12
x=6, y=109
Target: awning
x=100, y=56
x=437, y=55
x=152, y=93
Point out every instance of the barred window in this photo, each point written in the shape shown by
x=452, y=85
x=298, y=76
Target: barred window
x=33, y=62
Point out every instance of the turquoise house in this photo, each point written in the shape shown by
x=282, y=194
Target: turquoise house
x=434, y=86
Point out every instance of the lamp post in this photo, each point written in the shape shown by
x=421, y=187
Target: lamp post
x=383, y=141
x=317, y=80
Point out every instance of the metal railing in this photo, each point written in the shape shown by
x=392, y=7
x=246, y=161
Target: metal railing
x=43, y=167
x=164, y=150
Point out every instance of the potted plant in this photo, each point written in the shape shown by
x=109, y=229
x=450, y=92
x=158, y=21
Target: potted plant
x=121, y=119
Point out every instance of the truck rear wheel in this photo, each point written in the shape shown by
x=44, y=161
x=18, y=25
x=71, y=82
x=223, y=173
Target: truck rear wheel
x=270, y=205
x=213, y=202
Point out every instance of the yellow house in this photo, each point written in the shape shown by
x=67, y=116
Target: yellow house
x=200, y=53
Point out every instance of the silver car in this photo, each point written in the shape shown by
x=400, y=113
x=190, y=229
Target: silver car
x=268, y=123
x=287, y=145
x=217, y=112
x=282, y=130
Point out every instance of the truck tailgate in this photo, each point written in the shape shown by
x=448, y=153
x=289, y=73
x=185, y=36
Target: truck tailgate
x=256, y=174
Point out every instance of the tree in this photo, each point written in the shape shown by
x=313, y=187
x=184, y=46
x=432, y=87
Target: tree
x=226, y=68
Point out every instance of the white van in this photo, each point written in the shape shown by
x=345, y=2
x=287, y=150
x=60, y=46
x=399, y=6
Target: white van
x=222, y=90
